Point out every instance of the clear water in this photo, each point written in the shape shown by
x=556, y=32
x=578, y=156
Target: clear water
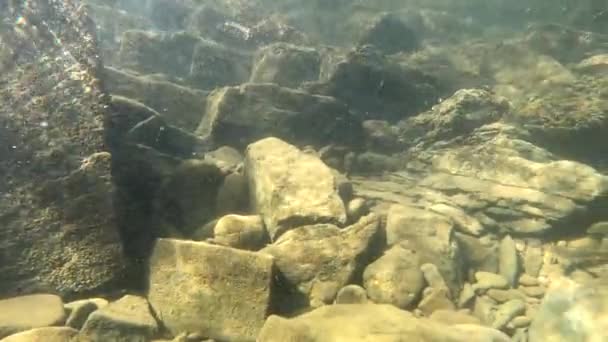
x=195, y=169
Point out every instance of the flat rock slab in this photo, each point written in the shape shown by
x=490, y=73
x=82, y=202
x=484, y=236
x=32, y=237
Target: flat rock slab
x=219, y=292
x=127, y=319
x=290, y=188
x=28, y=312
x=48, y=334
x=370, y=322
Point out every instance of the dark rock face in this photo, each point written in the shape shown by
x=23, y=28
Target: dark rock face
x=237, y=116
x=375, y=88
x=56, y=210
x=390, y=35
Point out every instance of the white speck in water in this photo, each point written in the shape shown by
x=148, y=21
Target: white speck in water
x=44, y=124
x=14, y=147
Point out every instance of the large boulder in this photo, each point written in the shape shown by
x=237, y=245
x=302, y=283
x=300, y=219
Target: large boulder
x=370, y=322
x=318, y=260
x=218, y=292
x=290, y=188
x=238, y=116
x=59, y=232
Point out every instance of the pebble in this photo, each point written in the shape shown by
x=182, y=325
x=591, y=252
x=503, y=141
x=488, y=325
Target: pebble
x=466, y=295
x=487, y=280
x=503, y=296
x=520, y=322
x=507, y=311
x=528, y=280
x=533, y=291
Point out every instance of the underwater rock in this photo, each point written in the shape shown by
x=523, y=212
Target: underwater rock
x=451, y=317
x=370, y=322
x=351, y=294
x=487, y=280
x=389, y=34
x=381, y=136
x=221, y=292
x=167, y=15
x=290, y=188
x=127, y=319
x=55, y=176
x=46, y=334
x=458, y=115
x=111, y=23
x=318, y=260
x=355, y=209
x=571, y=311
x=395, y=278
x=150, y=52
x=431, y=236
x=507, y=311
x=233, y=195
x=286, y=65
x=23, y=313
x=238, y=116
x=134, y=123
x=434, y=299
x=214, y=65
x=594, y=65
x=479, y=253
x=179, y=105
x=503, y=296
x=79, y=311
x=187, y=196
x=564, y=43
x=243, y=232
x=508, y=261
x=375, y=88
x=374, y=163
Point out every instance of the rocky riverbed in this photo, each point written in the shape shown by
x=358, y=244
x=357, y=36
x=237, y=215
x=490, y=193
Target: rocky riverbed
x=236, y=170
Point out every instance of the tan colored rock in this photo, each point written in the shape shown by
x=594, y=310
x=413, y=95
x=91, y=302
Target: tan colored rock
x=528, y=280
x=289, y=188
x=435, y=299
x=503, y=296
x=431, y=235
x=452, y=317
x=79, y=311
x=533, y=291
x=127, y=319
x=370, y=322
x=395, y=278
x=217, y=291
x=321, y=259
x=23, y=313
x=237, y=231
x=47, y=334
x=351, y=294
x=486, y=280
